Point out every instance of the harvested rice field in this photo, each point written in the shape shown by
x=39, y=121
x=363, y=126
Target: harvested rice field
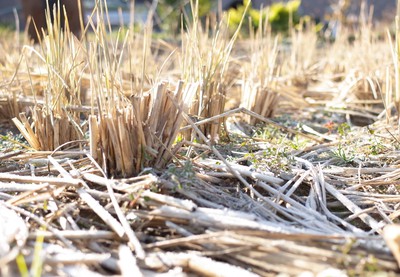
x=212, y=152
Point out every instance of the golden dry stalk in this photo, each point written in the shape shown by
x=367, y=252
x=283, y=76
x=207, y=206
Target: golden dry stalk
x=59, y=65
x=261, y=100
x=209, y=102
x=9, y=105
x=48, y=131
x=140, y=133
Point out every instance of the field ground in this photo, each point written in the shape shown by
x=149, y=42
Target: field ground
x=212, y=155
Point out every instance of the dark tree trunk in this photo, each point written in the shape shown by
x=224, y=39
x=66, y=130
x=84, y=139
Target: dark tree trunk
x=36, y=10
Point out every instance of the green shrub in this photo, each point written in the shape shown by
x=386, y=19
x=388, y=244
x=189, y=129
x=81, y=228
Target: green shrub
x=280, y=16
x=170, y=12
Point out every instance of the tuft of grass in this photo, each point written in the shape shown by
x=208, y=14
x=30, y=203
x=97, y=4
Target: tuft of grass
x=259, y=92
x=130, y=136
x=206, y=59
x=53, y=123
x=139, y=118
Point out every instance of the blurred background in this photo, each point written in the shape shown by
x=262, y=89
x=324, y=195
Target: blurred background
x=119, y=10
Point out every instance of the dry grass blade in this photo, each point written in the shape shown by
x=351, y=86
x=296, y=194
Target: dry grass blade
x=38, y=180
x=128, y=263
x=134, y=243
x=202, y=265
x=170, y=201
x=101, y=212
x=28, y=133
x=77, y=234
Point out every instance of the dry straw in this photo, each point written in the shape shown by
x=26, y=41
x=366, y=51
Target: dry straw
x=228, y=210
x=259, y=91
x=140, y=133
x=138, y=120
x=206, y=59
x=53, y=123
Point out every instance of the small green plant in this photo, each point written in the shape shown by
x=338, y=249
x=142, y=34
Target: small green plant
x=344, y=154
x=267, y=133
x=344, y=129
x=297, y=143
x=371, y=264
x=12, y=141
x=186, y=171
x=274, y=159
x=375, y=144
